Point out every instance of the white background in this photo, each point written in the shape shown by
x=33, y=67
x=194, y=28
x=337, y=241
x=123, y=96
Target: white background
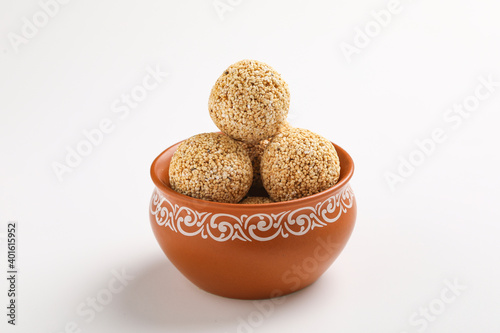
x=442, y=223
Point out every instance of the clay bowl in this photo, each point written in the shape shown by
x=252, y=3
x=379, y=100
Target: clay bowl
x=252, y=251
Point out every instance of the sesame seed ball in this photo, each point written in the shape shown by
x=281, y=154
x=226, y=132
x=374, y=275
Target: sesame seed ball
x=255, y=152
x=249, y=101
x=211, y=166
x=256, y=200
x=298, y=163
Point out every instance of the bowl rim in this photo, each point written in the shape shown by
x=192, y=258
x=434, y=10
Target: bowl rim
x=343, y=181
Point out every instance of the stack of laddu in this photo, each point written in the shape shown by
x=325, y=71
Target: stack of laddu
x=257, y=150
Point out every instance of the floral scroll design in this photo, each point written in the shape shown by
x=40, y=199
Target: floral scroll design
x=257, y=227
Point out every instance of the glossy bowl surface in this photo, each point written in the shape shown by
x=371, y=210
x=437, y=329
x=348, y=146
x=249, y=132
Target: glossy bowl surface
x=252, y=251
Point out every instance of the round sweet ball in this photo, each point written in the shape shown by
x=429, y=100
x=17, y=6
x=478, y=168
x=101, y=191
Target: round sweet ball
x=255, y=152
x=211, y=166
x=298, y=163
x=256, y=200
x=249, y=101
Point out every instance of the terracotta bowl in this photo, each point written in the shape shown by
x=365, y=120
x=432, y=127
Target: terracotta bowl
x=252, y=251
